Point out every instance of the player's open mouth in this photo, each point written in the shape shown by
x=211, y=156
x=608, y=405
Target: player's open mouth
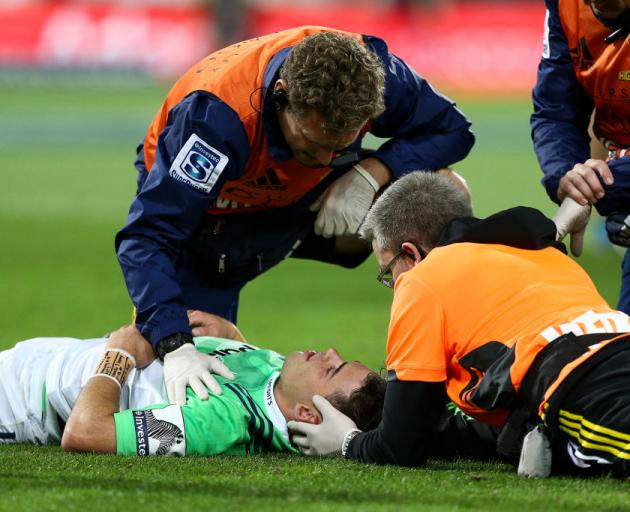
x=308, y=354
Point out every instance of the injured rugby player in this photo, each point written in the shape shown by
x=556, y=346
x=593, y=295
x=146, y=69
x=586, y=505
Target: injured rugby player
x=107, y=395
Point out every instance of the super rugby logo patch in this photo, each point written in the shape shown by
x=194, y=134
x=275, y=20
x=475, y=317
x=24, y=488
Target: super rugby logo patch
x=160, y=431
x=198, y=164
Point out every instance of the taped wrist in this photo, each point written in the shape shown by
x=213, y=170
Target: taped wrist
x=115, y=364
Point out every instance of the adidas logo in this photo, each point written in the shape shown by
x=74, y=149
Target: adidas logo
x=269, y=181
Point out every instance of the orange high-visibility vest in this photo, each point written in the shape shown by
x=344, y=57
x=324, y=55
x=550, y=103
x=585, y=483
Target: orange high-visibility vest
x=602, y=69
x=235, y=75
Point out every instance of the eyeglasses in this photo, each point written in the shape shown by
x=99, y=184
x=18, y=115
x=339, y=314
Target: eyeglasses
x=386, y=277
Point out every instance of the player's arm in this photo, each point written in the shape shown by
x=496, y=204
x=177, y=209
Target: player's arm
x=562, y=110
x=426, y=129
x=90, y=427
x=167, y=211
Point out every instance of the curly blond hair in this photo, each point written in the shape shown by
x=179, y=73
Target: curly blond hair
x=337, y=77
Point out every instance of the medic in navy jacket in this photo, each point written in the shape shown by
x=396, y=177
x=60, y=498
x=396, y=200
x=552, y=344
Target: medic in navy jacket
x=221, y=197
x=584, y=71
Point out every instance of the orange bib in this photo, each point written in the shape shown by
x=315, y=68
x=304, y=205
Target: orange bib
x=235, y=75
x=602, y=69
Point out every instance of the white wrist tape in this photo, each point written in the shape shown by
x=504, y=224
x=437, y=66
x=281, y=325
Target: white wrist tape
x=113, y=379
x=370, y=179
x=115, y=364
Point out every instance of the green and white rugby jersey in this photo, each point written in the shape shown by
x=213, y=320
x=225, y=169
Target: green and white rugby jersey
x=244, y=419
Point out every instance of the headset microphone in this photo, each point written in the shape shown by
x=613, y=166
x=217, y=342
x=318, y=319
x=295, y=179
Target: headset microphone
x=617, y=34
x=280, y=99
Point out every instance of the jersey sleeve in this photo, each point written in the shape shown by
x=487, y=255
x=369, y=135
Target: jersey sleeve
x=426, y=130
x=202, y=145
x=562, y=108
x=201, y=427
x=415, y=346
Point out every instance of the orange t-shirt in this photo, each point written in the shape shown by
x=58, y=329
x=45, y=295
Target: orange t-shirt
x=469, y=305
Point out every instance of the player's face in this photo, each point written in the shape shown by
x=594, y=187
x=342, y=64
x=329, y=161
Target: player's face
x=608, y=9
x=305, y=374
x=310, y=143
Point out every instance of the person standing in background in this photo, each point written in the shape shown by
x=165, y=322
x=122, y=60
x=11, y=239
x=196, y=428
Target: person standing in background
x=585, y=72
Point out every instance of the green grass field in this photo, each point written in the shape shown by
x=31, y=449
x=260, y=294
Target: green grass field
x=66, y=158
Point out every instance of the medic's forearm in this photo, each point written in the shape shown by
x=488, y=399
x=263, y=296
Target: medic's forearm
x=149, y=273
x=425, y=151
x=562, y=108
x=411, y=413
x=426, y=130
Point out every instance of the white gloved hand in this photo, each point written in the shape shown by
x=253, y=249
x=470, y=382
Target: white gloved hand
x=345, y=203
x=186, y=366
x=572, y=218
x=328, y=436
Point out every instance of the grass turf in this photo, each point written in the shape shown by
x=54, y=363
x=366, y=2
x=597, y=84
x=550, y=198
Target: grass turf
x=66, y=156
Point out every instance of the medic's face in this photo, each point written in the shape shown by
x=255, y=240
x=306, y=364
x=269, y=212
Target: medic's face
x=309, y=141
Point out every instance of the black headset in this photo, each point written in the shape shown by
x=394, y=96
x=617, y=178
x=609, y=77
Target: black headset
x=280, y=99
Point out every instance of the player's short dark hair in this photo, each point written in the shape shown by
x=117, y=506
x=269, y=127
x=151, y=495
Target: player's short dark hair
x=364, y=406
x=337, y=77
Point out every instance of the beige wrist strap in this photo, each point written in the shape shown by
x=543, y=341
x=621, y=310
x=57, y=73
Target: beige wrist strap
x=368, y=177
x=115, y=364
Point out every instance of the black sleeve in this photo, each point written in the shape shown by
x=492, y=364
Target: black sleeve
x=459, y=435
x=411, y=414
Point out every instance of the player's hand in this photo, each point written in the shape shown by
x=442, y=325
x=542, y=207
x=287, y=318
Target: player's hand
x=618, y=229
x=572, y=218
x=582, y=183
x=207, y=324
x=186, y=366
x=128, y=338
x=328, y=436
x=345, y=203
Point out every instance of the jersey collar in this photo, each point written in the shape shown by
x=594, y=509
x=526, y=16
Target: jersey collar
x=271, y=406
x=520, y=227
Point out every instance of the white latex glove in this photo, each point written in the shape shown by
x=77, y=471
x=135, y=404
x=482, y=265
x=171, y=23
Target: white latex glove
x=186, y=366
x=345, y=203
x=572, y=218
x=328, y=436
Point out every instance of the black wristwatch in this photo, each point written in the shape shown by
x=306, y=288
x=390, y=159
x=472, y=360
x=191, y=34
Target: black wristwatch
x=172, y=342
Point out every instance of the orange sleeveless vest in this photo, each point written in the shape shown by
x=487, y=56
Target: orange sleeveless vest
x=602, y=69
x=235, y=75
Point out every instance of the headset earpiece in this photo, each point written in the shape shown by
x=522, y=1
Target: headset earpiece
x=280, y=99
